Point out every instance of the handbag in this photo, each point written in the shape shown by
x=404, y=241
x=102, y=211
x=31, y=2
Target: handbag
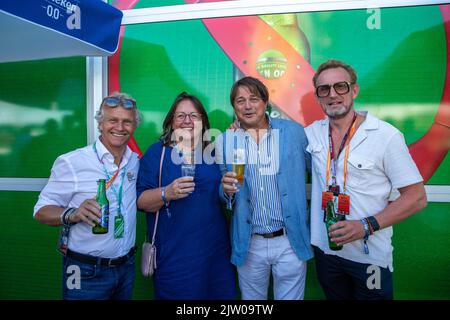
x=148, y=258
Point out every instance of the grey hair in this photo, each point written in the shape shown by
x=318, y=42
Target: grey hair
x=120, y=95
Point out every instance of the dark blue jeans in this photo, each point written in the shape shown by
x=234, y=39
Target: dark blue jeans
x=82, y=281
x=342, y=279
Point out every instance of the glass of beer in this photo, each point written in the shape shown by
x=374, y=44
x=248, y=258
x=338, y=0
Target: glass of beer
x=239, y=165
x=239, y=169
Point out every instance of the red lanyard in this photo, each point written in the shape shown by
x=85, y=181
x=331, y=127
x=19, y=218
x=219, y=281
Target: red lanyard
x=344, y=139
x=110, y=182
x=348, y=135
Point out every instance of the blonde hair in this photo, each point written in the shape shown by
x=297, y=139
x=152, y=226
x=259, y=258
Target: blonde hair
x=333, y=64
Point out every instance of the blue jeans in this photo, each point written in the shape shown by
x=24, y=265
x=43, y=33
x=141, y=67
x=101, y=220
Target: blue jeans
x=342, y=279
x=82, y=281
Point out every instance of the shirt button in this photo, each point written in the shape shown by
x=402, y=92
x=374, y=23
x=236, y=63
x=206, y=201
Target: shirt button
x=359, y=165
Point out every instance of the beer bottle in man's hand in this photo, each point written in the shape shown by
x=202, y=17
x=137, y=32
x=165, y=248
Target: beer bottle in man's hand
x=102, y=200
x=331, y=218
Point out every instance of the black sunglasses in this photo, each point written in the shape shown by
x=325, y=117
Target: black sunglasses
x=113, y=102
x=340, y=88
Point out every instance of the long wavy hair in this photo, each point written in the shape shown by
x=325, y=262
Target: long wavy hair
x=166, y=136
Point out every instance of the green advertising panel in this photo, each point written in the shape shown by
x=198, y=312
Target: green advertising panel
x=399, y=53
x=42, y=114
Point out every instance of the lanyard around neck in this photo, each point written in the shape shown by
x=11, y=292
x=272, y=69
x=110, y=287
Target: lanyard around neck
x=111, y=179
x=333, y=160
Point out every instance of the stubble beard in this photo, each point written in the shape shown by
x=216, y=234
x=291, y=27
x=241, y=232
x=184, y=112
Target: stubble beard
x=339, y=114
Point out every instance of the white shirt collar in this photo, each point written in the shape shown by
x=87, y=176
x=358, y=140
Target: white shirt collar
x=370, y=123
x=106, y=156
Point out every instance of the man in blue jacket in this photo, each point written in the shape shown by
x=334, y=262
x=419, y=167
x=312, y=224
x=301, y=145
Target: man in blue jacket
x=270, y=224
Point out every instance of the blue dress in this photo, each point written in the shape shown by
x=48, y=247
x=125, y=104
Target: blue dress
x=193, y=245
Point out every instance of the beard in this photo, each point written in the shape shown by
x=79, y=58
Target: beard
x=342, y=112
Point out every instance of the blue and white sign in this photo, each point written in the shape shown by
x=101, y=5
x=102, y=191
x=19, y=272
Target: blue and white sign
x=41, y=29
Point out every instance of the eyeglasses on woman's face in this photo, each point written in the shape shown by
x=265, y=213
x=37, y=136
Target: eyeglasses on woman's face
x=193, y=116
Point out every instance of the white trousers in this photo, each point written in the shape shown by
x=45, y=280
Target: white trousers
x=276, y=255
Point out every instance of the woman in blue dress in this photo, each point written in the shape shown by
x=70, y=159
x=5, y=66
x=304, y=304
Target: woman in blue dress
x=192, y=238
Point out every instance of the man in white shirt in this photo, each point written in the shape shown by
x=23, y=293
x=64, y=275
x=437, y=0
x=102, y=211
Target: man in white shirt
x=357, y=160
x=97, y=266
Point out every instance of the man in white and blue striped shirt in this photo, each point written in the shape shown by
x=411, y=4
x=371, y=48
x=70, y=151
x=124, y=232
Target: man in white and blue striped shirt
x=270, y=225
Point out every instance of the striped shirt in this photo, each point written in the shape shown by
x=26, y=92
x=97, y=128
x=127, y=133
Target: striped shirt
x=261, y=175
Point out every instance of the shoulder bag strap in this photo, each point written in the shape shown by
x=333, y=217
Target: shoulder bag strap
x=157, y=212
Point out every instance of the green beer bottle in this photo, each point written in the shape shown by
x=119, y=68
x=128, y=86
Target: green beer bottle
x=332, y=218
x=102, y=200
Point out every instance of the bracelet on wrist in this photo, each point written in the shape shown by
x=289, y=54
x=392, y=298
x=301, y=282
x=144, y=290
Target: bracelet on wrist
x=366, y=235
x=70, y=214
x=166, y=203
x=371, y=231
x=62, y=217
x=163, y=196
x=65, y=217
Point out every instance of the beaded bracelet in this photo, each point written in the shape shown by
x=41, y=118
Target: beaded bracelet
x=371, y=231
x=65, y=216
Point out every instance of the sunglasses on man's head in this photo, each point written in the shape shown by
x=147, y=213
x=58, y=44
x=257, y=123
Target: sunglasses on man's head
x=113, y=102
x=340, y=88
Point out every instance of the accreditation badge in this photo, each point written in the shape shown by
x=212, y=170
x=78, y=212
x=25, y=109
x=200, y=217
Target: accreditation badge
x=119, y=226
x=64, y=240
x=326, y=196
x=344, y=204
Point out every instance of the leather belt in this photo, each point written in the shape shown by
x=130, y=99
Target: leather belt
x=272, y=234
x=84, y=258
